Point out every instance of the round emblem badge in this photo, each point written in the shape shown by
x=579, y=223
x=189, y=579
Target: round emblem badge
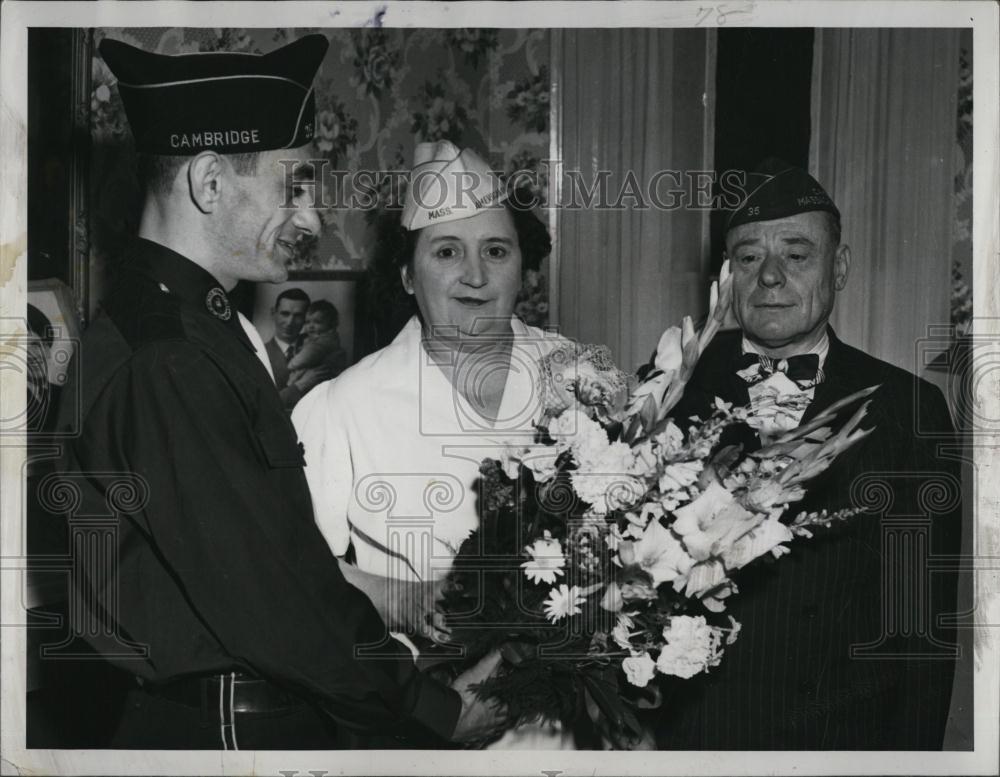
x=218, y=304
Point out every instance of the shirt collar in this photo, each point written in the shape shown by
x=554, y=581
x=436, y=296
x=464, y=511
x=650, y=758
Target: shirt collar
x=282, y=344
x=821, y=349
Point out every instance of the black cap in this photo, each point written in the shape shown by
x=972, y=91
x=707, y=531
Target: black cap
x=775, y=190
x=230, y=103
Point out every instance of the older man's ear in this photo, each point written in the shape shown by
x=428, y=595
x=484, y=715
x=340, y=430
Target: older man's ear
x=841, y=266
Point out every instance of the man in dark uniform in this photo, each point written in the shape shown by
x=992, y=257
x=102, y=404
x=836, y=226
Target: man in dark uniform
x=841, y=646
x=221, y=596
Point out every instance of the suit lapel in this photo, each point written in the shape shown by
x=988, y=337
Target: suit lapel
x=841, y=378
x=716, y=375
x=279, y=365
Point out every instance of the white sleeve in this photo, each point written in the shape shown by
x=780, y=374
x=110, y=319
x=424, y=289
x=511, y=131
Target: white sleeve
x=325, y=437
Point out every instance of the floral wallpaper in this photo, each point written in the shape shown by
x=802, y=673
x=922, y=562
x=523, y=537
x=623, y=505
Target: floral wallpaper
x=378, y=93
x=961, y=293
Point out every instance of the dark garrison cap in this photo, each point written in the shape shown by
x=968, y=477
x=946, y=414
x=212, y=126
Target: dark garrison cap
x=230, y=103
x=775, y=190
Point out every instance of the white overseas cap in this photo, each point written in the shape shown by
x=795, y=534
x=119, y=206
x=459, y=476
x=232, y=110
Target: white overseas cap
x=447, y=185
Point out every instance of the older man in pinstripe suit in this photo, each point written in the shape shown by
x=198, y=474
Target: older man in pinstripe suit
x=842, y=646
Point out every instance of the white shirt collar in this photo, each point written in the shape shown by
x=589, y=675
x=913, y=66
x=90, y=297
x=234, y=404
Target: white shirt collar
x=282, y=344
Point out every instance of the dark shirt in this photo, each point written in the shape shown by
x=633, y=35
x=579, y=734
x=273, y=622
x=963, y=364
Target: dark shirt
x=220, y=563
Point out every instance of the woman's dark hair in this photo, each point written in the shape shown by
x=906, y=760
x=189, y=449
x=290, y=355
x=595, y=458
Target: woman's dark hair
x=390, y=307
x=394, y=248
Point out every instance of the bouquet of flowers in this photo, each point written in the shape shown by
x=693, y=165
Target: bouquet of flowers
x=606, y=551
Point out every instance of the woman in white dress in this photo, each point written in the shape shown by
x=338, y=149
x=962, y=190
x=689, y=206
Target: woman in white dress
x=393, y=445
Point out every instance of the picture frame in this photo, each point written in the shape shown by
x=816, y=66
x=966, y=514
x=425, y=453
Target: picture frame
x=339, y=287
x=61, y=201
x=56, y=301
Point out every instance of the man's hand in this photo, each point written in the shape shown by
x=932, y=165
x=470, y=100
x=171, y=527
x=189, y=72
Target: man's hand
x=479, y=719
x=411, y=608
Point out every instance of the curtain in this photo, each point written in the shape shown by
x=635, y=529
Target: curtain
x=631, y=103
x=884, y=105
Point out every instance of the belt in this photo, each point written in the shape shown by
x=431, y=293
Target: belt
x=249, y=694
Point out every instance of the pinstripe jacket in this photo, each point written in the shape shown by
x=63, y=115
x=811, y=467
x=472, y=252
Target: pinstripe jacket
x=840, y=648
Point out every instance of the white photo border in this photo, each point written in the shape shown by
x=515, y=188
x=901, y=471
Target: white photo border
x=18, y=16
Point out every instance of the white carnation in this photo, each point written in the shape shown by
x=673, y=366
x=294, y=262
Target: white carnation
x=606, y=493
x=692, y=647
x=639, y=669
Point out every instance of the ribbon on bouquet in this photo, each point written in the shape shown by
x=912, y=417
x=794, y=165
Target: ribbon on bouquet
x=379, y=546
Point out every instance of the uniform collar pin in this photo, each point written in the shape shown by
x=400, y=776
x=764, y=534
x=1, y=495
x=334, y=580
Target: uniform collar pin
x=218, y=303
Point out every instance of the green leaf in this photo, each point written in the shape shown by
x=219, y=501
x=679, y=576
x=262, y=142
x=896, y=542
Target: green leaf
x=605, y=695
x=631, y=721
x=633, y=429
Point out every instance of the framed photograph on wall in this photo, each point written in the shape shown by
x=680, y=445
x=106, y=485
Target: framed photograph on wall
x=288, y=314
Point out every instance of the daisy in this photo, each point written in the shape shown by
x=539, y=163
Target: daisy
x=563, y=601
x=547, y=560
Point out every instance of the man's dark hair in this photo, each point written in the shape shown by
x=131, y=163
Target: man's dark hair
x=296, y=294
x=39, y=324
x=328, y=310
x=156, y=173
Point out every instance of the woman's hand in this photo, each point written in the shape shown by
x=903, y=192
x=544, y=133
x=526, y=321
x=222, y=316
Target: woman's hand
x=405, y=606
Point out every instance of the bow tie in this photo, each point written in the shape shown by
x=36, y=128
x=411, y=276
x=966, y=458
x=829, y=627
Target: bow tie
x=804, y=369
